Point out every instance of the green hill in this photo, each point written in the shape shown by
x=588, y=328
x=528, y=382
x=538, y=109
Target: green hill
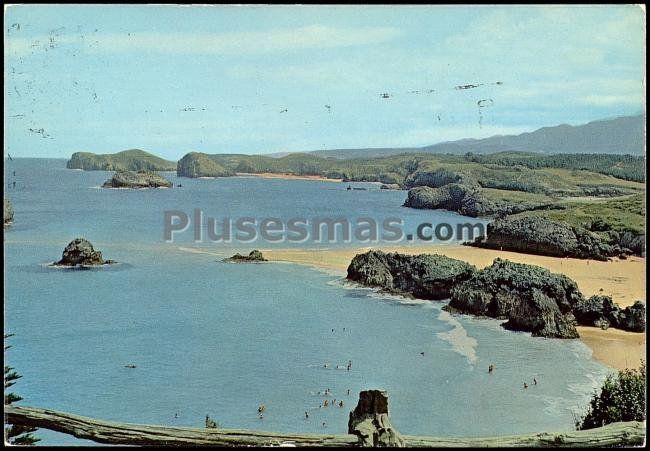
x=127, y=160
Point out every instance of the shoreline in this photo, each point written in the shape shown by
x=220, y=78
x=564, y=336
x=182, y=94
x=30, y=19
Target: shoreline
x=284, y=176
x=623, y=280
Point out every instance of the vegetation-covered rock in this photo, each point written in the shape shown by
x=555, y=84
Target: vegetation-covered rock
x=127, y=160
x=80, y=252
x=140, y=179
x=436, y=178
x=535, y=235
x=254, y=256
x=423, y=276
x=196, y=164
x=531, y=298
x=8, y=213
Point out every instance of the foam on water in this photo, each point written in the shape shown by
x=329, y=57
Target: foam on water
x=458, y=338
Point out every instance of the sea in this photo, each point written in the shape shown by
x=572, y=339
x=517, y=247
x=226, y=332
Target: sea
x=218, y=339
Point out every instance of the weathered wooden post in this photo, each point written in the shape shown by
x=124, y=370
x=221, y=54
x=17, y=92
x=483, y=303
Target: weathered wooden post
x=369, y=421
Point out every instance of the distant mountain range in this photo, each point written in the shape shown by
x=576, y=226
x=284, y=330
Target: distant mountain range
x=622, y=135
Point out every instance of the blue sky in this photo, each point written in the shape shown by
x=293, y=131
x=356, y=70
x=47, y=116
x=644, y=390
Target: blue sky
x=232, y=79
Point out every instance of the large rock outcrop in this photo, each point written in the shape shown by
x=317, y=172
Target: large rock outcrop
x=531, y=298
x=140, y=179
x=543, y=236
x=80, y=252
x=423, y=276
x=8, y=213
x=196, y=164
x=369, y=421
x=466, y=199
x=600, y=310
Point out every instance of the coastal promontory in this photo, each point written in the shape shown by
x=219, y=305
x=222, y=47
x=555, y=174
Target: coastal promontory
x=140, y=179
x=196, y=164
x=127, y=160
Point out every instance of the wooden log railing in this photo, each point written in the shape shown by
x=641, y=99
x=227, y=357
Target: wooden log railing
x=100, y=431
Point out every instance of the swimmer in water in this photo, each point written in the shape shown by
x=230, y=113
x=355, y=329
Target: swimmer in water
x=490, y=368
x=534, y=381
x=525, y=385
x=306, y=414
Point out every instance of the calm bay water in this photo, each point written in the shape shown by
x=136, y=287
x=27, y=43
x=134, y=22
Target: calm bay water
x=219, y=339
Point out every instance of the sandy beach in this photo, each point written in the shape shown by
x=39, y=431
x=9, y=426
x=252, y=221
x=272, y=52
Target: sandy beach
x=270, y=175
x=623, y=280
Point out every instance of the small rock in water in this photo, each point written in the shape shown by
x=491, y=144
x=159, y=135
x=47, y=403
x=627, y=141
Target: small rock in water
x=140, y=179
x=81, y=252
x=254, y=256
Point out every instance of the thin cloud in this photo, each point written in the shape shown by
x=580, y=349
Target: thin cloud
x=231, y=43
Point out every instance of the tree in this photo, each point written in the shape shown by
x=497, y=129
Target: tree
x=16, y=434
x=621, y=398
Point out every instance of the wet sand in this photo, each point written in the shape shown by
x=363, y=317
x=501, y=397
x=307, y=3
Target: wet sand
x=623, y=280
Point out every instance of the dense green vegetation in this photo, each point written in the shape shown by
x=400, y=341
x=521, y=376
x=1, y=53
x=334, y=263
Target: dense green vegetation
x=536, y=178
x=621, y=398
x=128, y=160
x=626, y=167
x=620, y=215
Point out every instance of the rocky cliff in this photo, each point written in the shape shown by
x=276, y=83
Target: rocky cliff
x=140, y=179
x=423, y=276
x=531, y=298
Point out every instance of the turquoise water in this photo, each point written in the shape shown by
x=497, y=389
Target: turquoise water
x=219, y=339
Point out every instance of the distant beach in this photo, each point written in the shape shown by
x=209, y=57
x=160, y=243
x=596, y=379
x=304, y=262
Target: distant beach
x=270, y=175
x=623, y=280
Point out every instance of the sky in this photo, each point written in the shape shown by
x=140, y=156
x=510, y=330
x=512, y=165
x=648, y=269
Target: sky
x=265, y=79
